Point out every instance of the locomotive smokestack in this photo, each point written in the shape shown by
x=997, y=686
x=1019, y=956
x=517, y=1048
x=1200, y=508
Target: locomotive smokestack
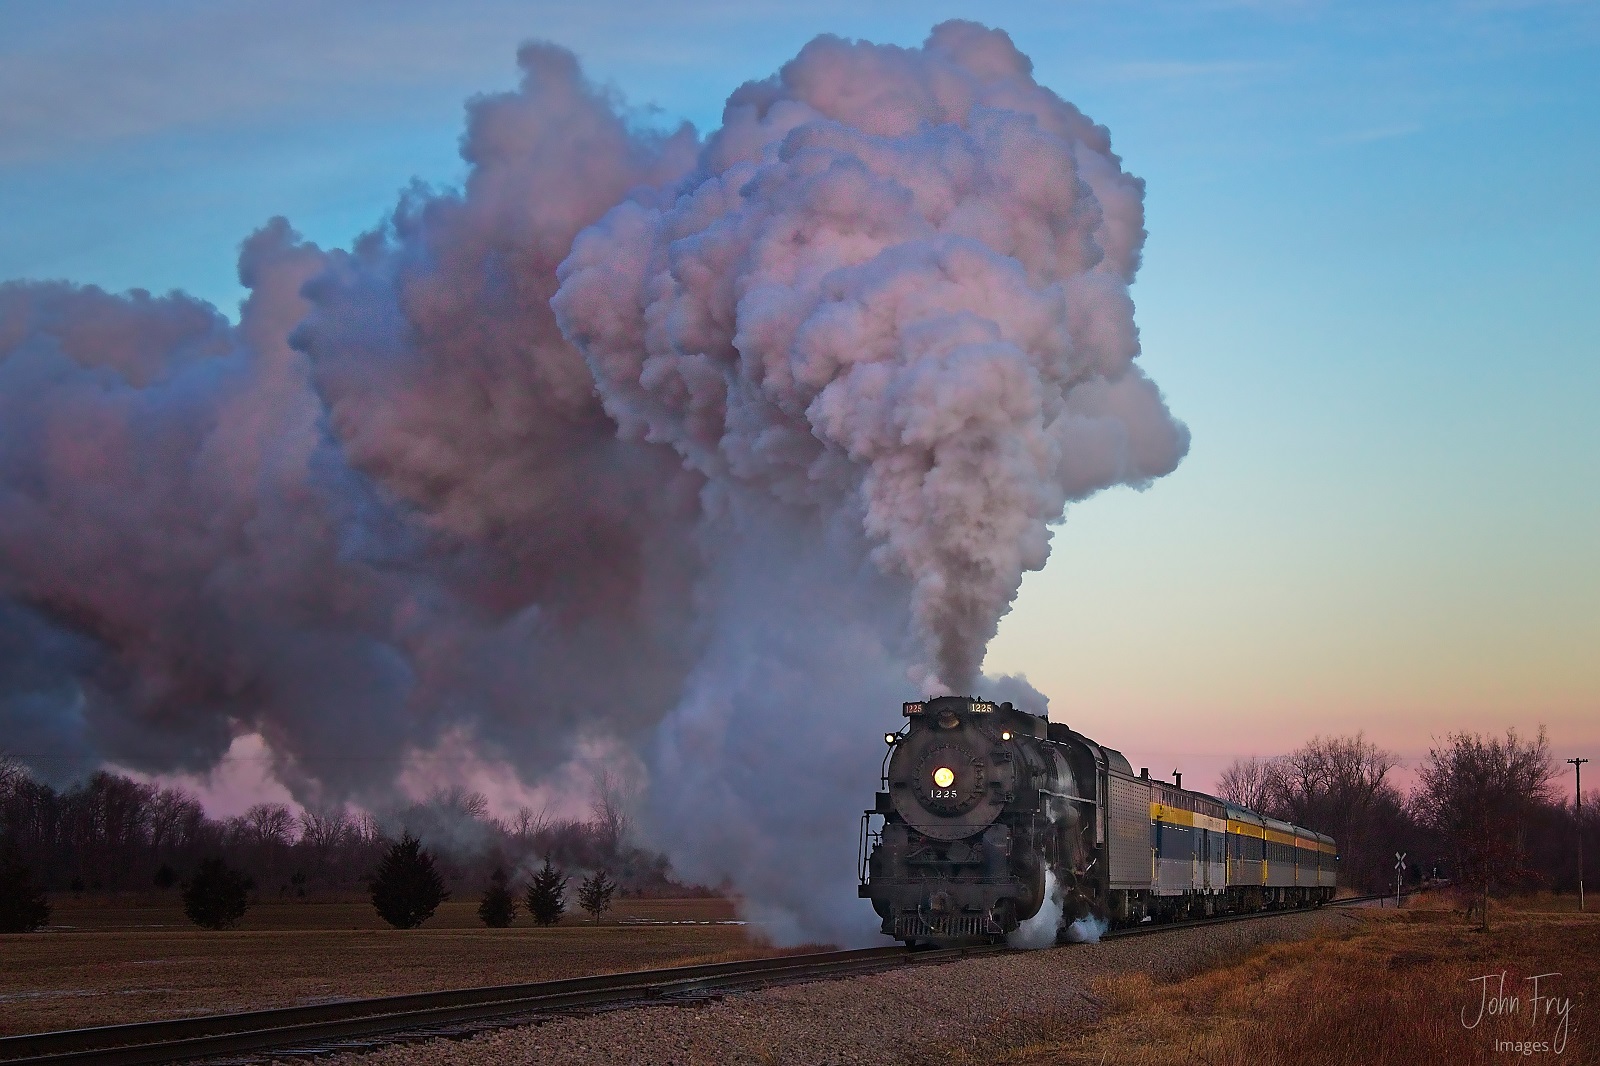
x=1177, y=779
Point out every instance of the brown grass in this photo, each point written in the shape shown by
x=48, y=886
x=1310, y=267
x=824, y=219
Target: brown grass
x=1392, y=991
x=103, y=963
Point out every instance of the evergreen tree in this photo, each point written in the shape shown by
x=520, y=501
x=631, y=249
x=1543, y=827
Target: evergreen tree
x=547, y=895
x=217, y=896
x=594, y=895
x=406, y=889
x=166, y=876
x=498, y=908
x=23, y=907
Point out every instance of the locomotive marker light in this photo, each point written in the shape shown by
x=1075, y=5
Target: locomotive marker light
x=888, y=738
x=1005, y=735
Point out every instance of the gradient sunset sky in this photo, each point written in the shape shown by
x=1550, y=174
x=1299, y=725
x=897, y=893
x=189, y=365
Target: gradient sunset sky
x=1370, y=289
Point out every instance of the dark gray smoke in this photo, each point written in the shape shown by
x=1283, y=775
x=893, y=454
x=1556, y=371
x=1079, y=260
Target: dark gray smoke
x=383, y=510
x=634, y=448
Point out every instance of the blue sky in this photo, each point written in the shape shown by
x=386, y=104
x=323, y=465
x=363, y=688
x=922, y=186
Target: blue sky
x=1370, y=289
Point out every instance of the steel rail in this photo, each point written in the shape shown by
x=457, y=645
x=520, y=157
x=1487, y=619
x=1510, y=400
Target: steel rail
x=286, y=1029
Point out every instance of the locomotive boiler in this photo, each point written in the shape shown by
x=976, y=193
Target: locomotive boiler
x=986, y=815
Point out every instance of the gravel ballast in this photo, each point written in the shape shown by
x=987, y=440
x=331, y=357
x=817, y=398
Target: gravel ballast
x=913, y=1014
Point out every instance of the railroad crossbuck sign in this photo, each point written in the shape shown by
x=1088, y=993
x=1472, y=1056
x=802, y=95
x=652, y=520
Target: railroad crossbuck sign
x=1400, y=859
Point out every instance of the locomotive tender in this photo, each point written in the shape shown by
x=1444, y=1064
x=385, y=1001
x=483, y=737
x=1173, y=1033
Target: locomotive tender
x=980, y=800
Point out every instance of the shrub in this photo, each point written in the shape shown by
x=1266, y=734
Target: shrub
x=217, y=896
x=166, y=876
x=406, y=889
x=547, y=895
x=594, y=895
x=23, y=907
x=498, y=907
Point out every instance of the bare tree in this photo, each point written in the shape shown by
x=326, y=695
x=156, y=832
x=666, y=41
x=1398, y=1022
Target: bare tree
x=325, y=831
x=1252, y=783
x=175, y=818
x=1335, y=785
x=262, y=837
x=527, y=825
x=1324, y=778
x=459, y=801
x=104, y=827
x=1479, y=794
x=365, y=829
x=269, y=825
x=11, y=774
x=609, y=811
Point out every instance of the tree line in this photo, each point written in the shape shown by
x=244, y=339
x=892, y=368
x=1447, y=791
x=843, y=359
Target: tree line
x=1485, y=811
x=111, y=833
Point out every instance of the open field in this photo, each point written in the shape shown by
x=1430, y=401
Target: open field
x=102, y=962
x=1399, y=987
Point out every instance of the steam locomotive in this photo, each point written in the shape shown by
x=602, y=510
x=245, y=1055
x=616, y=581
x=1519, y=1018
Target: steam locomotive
x=985, y=809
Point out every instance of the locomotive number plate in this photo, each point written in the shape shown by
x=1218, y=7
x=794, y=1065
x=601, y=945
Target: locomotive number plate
x=942, y=793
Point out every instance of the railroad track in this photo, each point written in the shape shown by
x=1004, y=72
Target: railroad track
x=361, y=1024
x=290, y=1032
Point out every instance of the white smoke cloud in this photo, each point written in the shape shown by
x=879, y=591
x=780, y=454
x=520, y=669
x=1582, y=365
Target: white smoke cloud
x=759, y=773
x=895, y=283
x=1087, y=930
x=700, y=454
x=1040, y=930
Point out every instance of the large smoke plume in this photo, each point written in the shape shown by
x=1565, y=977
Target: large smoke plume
x=702, y=454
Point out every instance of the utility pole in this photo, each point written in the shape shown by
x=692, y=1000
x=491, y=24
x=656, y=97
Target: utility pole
x=1577, y=805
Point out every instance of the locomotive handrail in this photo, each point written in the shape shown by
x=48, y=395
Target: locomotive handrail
x=1067, y=796
x=868, y=840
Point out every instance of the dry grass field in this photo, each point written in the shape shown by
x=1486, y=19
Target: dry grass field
x=101, y=962
x=1403, y=989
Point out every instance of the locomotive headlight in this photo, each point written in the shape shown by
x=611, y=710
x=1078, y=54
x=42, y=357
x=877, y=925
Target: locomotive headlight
x=943, y=776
